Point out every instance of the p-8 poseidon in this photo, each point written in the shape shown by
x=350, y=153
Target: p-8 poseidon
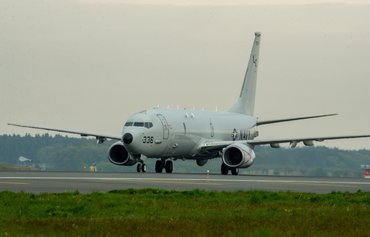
x=171, y=134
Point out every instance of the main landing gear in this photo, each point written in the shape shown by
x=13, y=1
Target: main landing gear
x=225, y=170
x=141, y=167
x=163, y=164
x=159, y=166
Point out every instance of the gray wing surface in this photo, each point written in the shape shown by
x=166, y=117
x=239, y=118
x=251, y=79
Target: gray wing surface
x=263, y=122
x=219, y=145
x=308, y=141
x=99, y=137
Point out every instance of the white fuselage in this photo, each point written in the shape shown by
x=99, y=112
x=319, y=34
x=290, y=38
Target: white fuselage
x=164, y=133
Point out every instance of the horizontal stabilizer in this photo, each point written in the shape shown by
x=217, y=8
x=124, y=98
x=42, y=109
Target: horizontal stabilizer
x=263, y=122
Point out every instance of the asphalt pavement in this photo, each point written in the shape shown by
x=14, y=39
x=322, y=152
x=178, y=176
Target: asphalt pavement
x=84, y=182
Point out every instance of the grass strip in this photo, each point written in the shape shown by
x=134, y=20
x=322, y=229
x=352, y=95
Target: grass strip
x=154, y=212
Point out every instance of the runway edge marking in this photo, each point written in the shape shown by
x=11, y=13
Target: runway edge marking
x=191, y=179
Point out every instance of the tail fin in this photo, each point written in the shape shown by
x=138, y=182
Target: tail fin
x=245, y=102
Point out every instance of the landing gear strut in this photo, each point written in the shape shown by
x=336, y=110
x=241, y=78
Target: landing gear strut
x=225, y=170
x=141, y=167
x=163, y=164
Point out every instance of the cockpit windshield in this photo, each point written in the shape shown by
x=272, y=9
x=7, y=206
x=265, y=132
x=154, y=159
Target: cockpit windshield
x=139, y=124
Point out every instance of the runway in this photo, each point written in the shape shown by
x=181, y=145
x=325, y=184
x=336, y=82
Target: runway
x=57, y=182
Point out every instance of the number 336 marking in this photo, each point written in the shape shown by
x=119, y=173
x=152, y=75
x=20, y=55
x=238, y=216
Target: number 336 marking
x=148, y=139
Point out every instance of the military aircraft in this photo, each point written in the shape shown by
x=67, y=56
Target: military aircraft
x=171, y=134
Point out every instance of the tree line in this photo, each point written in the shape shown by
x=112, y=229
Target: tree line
x=64, y=153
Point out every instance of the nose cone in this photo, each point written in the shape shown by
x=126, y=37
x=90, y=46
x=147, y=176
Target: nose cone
x=127, y=138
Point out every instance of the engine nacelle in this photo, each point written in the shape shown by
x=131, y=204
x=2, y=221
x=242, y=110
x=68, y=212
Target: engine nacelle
x=238, y=155
x=118, y=155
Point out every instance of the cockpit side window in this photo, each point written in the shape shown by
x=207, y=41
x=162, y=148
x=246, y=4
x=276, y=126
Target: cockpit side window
x=139, y=124
x=148, y=124
x=128, y=124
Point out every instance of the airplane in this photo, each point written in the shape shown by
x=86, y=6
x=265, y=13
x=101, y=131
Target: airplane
x=172, y=134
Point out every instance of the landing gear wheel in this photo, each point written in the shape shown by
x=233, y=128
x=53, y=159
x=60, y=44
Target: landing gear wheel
x=169, y=166
x=143, y=168
x=139, y=167
x=158, y=166
x=224, y=169
x=234, y=171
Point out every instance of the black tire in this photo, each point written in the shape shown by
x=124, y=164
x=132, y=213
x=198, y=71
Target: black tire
x=224, y=169
x=169, y=166
x=234, y=171
x=143, y=168
x=138, y=168
x=158, y=166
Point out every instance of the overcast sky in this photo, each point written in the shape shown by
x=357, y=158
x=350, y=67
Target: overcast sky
x=88, y=65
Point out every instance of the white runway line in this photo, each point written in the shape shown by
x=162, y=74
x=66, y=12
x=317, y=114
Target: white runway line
x=319, y=182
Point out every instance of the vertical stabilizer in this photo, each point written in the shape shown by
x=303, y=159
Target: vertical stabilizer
x=245, y=102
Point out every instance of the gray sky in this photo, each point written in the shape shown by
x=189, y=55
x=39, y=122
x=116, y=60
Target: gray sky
x=88, y=65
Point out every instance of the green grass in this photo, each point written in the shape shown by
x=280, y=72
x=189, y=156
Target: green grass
x=152, y=212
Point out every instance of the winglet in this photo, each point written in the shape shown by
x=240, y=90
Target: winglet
x=245, y=102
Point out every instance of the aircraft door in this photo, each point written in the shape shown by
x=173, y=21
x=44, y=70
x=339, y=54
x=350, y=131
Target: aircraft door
x=166, y=130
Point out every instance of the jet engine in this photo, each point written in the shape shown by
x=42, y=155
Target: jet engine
x=238, y=155
x=118, y=155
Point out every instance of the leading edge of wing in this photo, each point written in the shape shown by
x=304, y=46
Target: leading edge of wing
x=101, y=138
x=263, y=122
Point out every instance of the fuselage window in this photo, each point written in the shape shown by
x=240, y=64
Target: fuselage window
x=128, y=124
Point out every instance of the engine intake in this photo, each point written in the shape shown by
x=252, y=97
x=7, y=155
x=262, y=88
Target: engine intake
x=238, y=155
x=118, y=155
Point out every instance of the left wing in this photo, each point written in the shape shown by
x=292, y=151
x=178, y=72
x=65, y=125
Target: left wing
x=309, y=141
x=100, y=138
x=275, y=143
x=263, y=122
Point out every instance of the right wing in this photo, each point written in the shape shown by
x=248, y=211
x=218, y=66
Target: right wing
x=100, y=138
